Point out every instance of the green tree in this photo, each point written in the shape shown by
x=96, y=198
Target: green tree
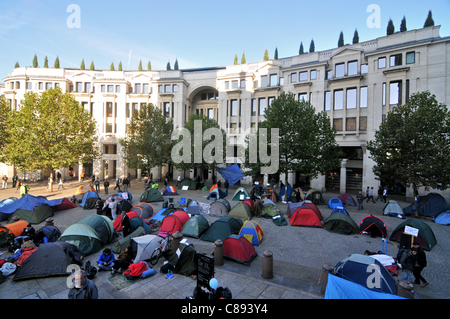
x=17, y=65
x=390, y=28
x=235, y=60
x=111, y=67
x=212, y=149
x=49, y=131
x=175, y=67
x=35, y=61
x=46, y=62
x=5, y=112
x=312, y=46
x=356, y=37
x=403, y=25
x=301, y=50
x=341, y=40
x=168, y=66
x=149, y=66
x=275, y=55
x=119, y=68
x=140, y=65
x=147, y=143
x=429, y=22
x=243, y=59
x=82, y=66
x=307, y=141
x=266, y=55
x=412, y=145
x=56, y=64
x=92, y=66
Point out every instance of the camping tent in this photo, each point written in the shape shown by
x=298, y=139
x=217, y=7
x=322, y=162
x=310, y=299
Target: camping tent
x=240, y=194
x=143, y=210
x=257, y=191
x=26, y=202
x=289, y=192
x=191, y=184
x=334, y=202
x=305, y=216
x=195, y=226
x=241, y=211
x=393, y=209
x=86, y=196
x=193, y=208
x=170, y=190
x=239, y=249
x=173, y=223
x=142, y=247
x=272, y=195
x=185, y=260
x=65, y=204
x=347, y=199
x=151, y=195
x=355, y=268
x=7, y=201
x=216, y=193
x=15, y=228
x=231, y=173
x=315, y=196
x=50, y=259
x=340, y=210
x=269, y=209
x=219, y=208
x=90, y=234
x=222, y=228
x=425, y=238
x=252, y=231
x=430, y=205
x=293, y=206
x=443, y=218
x=120, y=245
x=35, y=216
x=313, y=206
x=341, y=222
x=374, y=226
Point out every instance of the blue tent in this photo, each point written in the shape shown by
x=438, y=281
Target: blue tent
x=216, y=193
x=339, y=288
x=340, y=210
x=289, y=192
x=430, y=205
x=231, y=173
x=443, y=218
x=88, y=195
x=335, y=202
x=26, y=202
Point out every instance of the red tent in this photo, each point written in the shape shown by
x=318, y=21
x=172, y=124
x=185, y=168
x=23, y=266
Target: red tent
x=314, y=208
x=305, y=216
x=65, y=204
x=239, y=249
x=173, y=223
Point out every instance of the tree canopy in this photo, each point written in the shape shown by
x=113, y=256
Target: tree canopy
x=412, y=145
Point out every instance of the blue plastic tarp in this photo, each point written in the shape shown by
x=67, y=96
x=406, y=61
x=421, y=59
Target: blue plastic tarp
x=339, y=288
x=231, y=173
x=443, y=219
x=27, y=202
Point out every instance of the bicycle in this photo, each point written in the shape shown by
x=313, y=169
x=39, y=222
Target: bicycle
x=164, y=246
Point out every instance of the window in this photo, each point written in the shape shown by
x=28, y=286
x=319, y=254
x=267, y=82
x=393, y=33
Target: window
x=29, y=86
x=293, y=77
x=242, y=84
x=303, y=97
x=127, y=110
x=109, y=128
x=56, y=85
x=329, y=74
x=410, y=57
x=233, y=128
x=137, y=88
x=264, y=81
x=79, y=87
x=234, y=84
x=135, y=108
x=350, y=124
x=227, y=85
x=11, y=85
x=338, y=124
x=363, y=123
x=395, y=93
x=303, y=76
x=281, y=81
x=351, y=99
x=271, y=99
x=363, y=97
x=211, y=114
x=327, y=104
x=352, y=68
x=17, y=85
x=110, y=88
x=253, y=127
x=364, y=68
x=48, y=86
x=146, y=88
x=87, y=87
x=109, y=110
x=313, y=75
x=103, y=88
x=234, y=107
x=381, y=63
x=167, y=109
x=117, y=88
x=273, y=79
x=160, y=89
x=253, y=107
x=41, y=85
x=340, y=70
x=339, y=99
x=383, y=97
x=167, y=88
x=175, y=88
x=262, y=106
x=395, y=60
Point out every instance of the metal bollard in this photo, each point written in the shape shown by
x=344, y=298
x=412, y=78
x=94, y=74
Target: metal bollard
x=267, y=265
x=405, y=290
x=326, y=269
x=175, y=243
x=218, y=253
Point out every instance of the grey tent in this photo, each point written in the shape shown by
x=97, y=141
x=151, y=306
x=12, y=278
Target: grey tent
x=393, y=209
x=219, y=208
x=142, y=247
x=193, y=208
x=222, y=228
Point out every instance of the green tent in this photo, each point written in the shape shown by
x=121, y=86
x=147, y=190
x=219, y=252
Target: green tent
x=425, y=238
x=341, y=223
x=241, y=211
x=36, y=216
x=240, y=191
x=102, y=225
x=195, y=226
x=269, y=209
x=120, y=245
x=185, y=260
x=222, y=228
x=151, y=195
x=90, y=203
x=192, y=185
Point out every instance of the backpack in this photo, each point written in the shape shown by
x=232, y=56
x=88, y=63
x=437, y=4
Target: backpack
x=90, y=270
x=8, y=269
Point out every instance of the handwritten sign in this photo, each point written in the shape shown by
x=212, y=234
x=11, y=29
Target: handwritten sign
x=411, y=231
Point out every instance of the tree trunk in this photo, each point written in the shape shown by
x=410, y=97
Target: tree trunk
x=286, y=197
x=50, y=184
x=416, y=208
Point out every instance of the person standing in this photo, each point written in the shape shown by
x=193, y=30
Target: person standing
x=421, y=263
x=367, y=193
x=106, y=185
x=61, y=183
x=82, y=176
x=97, y=185
x=178, y=180
x=5, y=182
x=380, y=193
x=113, y=206
x=360, y=200
x=117, y=184
x=24, y=189
x=125, y=183
x=371, y=195
x=384, y=194
x=14, y=180
x=226, y=185
x=83, y=287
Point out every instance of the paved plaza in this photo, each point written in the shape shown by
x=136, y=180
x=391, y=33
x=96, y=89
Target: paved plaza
x=298, y=255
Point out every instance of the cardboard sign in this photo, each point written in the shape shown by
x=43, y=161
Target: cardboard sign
x=185, y=188
x=411, y=231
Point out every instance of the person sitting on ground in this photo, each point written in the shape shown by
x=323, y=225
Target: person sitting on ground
x=48, y=233
x=83, y=288
x=28, y=247
x=106, y=260
x=29, y=232
x=122, y=262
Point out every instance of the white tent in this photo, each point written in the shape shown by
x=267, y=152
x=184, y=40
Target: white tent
x=393, y=209
x=142, y=247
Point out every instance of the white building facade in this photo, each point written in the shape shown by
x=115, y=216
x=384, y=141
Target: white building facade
x=356, y=85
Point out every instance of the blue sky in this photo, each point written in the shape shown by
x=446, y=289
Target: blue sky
x=198, y=33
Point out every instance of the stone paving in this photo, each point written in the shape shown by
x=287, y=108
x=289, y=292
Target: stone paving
x=298, y=256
